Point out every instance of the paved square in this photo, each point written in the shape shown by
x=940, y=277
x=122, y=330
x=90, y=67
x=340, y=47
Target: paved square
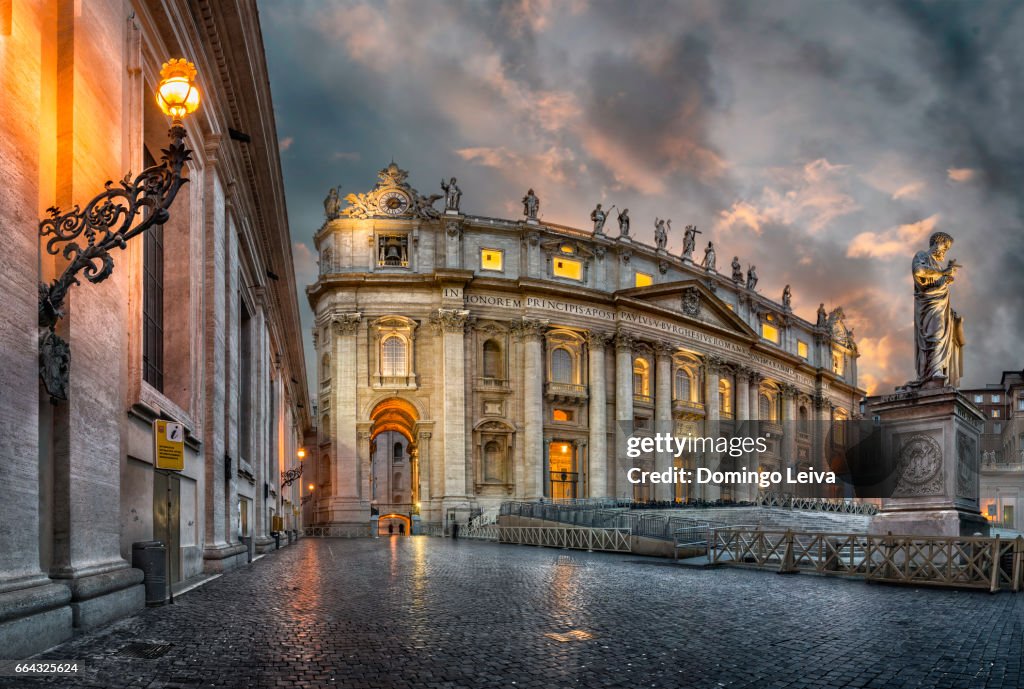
x=425, y=612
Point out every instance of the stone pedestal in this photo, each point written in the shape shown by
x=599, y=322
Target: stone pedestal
x=930, y=441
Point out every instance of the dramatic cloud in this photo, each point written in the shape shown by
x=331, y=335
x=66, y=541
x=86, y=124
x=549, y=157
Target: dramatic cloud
x=825, y=159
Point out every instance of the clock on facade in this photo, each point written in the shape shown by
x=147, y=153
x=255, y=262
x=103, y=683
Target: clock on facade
x=393, y=202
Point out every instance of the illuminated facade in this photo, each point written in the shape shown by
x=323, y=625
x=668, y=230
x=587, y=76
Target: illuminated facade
x=466, y=360
x=1002, y=449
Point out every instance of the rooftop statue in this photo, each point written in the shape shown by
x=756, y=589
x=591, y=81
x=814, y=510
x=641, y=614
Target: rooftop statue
x=752, y=277
x=690, y=240
x=737, y=270
x=787, y=298
x=822, y=316
x=531, y=204
x=660, y=235
x=709, y=258
x=624, y=223
x=332, y=204
x=599, y=216
x=452, y=195
x=938, y=329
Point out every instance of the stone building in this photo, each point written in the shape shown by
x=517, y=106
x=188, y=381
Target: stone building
x=1002, y=449
x=198, y=322
x=466, y=360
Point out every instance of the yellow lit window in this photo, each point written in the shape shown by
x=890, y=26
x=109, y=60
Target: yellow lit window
x=801, y=349
x=568, y=268
x=837, y=363
x=561, y=415
x=643, y=279
x=491, y=259
x=567, y=249
x=770, y=333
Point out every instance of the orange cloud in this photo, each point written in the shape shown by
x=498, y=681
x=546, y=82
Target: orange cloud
x=899, y=241
x=961, y=174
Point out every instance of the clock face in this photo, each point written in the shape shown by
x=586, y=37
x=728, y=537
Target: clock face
x=393, y=202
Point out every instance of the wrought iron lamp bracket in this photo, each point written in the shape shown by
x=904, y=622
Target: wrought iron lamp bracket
x=85, y=236
x=291, y=476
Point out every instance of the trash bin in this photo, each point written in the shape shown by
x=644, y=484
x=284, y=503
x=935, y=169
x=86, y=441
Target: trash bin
x=151, y=558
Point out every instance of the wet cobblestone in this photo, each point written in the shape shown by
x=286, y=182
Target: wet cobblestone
x=430, y=613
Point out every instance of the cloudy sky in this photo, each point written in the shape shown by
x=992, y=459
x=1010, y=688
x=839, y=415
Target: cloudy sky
x=823, y=141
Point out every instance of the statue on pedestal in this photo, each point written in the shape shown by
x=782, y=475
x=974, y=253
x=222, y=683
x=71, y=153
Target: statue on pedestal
x=531, y=204
x=709, y=258
x=624, y=223
x=660, y=235
x=752, y=277
x=737, y=270
x=332, y=204
x=452, y=195
x=787, y=298
x=599, y=216
x=690, y=240
x=822, y=316
x=938, y=329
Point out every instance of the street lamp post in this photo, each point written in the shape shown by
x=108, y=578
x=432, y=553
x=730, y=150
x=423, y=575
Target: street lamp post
x=85, y=236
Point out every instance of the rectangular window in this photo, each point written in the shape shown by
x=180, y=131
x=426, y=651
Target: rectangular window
x=641, y=423
x=564, y=415
x=643, y=279
x=770, y=332
x=995, y=413
x=996, y=399
x=978, y=399
x=153, y=300
x=1020, y=404
x=997, y=428
x=492, y=259
x=568, y=268
x=801, y=349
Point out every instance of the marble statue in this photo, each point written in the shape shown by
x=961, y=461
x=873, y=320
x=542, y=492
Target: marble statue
x=690, y=240
x=452, y=195
x=332, y=204
x=660, y=235
x=737, y=270
x=752, y=277
x=624, y=223
x=709, y=258
x=599, y=216
x=531, y=204
x=822, y=316
x=938, y=329
x=787, y=298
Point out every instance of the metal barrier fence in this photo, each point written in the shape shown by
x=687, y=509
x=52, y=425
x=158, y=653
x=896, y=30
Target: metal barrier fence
x=612, y=540
x=658, y=526
x=838, y=505
x=336, y=531
x=968, y=562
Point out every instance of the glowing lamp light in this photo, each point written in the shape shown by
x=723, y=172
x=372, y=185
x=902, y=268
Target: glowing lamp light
x=178, y=94
x=565, y=448
x=301, y=453
x=311, y=488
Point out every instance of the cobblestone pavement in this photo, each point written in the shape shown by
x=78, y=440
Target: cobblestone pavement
x=431, y=613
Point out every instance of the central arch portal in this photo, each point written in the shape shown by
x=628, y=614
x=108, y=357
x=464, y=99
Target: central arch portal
x=394, y=462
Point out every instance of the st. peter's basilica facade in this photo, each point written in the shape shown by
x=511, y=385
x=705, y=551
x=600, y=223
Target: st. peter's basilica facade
x=466, y=360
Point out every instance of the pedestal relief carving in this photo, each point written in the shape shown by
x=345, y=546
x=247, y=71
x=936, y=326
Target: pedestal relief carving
x=920, y=466
x=966, y=467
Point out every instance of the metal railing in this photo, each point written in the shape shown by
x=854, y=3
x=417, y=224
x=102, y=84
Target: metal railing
x=962, y=562
x=611, y=540
x=838, y=505
x=353, y=531
x=604, y=515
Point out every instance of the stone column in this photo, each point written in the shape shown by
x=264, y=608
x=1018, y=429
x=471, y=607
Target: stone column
x=663, y=415
x=623, y=411
x=712, y=410
x=743, y=427
x=788, y=426
x=427, y=496
x=822, y=426
x=598, y=421
x=452, y=324
x=533, y=408
x=347, y=479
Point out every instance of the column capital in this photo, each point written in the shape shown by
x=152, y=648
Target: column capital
x=597, y=339
x=714, y=364
x=425, y=435
x=743, y=373
x=822, y=402
x=788, y=390
x=451, y=320
x=755, y=377
x=662, y=350
x=529, y=329
x=346, y=323
x=624, y=341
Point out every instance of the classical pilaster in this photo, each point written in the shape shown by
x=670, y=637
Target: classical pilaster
x=663, y=415
x=347, y=478
x=753, y=404
x=623, y=410
x=789, y=393
x=531, y=332
x=712, y=408
x=452, y=325
x=743, y=427
x=823, y=424
x=598, y=421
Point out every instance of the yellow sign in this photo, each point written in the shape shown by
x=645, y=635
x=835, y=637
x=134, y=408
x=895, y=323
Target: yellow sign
x=169, y=445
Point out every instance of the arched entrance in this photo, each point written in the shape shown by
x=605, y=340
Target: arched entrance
x=394, y=525
x=394, y=464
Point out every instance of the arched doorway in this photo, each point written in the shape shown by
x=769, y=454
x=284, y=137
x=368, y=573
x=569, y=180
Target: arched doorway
x=394, y=472
x=394, y=525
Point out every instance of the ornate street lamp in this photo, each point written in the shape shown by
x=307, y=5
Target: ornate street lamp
x=105, y=223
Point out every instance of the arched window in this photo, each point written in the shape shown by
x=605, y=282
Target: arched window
x=325, y=368
x=684, y=383
x=393, y=357
x=493, y=367
x=764, y=408
x=724, y=396
x=561, y=366
x=397, y=452
x=804, y=424
x=641, y=377
x=492, y=462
